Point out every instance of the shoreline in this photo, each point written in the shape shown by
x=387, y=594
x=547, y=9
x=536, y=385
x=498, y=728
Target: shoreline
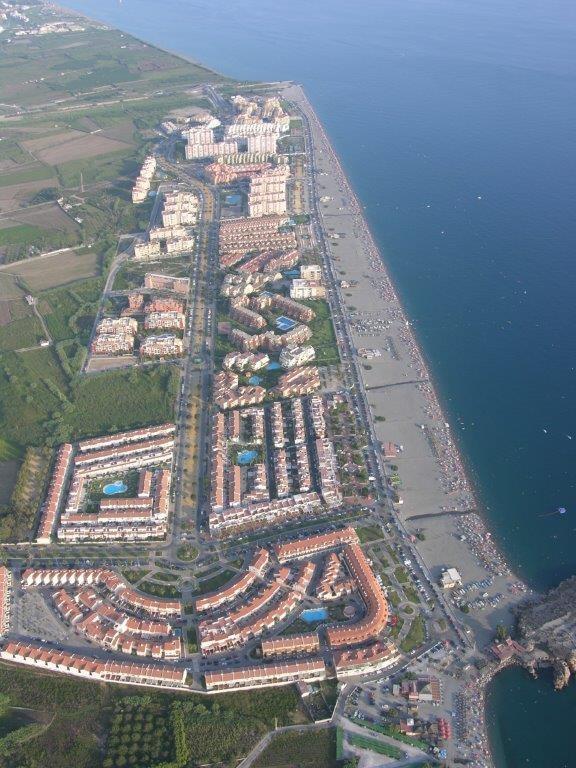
x=454, y=472
x=455, y=477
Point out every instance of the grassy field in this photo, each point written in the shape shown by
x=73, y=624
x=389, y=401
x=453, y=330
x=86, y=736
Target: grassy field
x=69, y=312
x=39, y=404
x=119, y=400
x=316, y=749
x=323, y=339
x=416, y=635
x=369, y=533
x=36, y=173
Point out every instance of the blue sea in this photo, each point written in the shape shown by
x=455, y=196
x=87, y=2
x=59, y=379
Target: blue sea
x=455, y=122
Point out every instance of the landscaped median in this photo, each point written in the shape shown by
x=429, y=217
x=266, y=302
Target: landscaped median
x=375, y=746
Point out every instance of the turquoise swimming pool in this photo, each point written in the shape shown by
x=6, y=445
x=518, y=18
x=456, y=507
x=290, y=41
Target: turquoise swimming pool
x=113, y=488
x=312, y=615
x=245, y=457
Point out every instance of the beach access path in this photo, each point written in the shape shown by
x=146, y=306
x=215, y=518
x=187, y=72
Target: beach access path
x=437, y=500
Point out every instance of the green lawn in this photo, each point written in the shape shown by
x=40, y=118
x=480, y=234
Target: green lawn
x=369, y=533
x=210, y=585
x=159, y=590
x=416, y=635
x=323, y=337
x=187, y=552
x=401, y=574
x=117, y=400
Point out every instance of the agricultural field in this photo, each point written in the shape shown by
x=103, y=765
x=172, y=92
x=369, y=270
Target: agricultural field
x=44, y=272
x=87, y=725
x=315, y=749
x=92, y=145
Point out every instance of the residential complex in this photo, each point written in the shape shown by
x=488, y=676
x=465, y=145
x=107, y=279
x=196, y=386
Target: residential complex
x=81, y=504
x=269, y=457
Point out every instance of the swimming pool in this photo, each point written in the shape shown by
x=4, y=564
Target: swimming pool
x=113, y=488
x=273, y=366
x=284, y=323
x=254, y=380
x=312, y=615
x=245, y=457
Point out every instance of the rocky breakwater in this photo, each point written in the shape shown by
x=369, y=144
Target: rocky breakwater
x=548, y=625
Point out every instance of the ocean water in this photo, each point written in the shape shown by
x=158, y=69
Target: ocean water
x=455, y=122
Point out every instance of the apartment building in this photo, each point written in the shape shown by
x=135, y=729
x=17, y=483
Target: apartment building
x=238, y=520
x=312, y=545
x=117, y=325
x=298, y=381
x=180, y=208
x=267, y=192
x=366, y=660
x=228, y=394
x=123, y=672
x=311, y=272
x=167, y=320
x=265, y=144
x=256, y=570
x=112, y=584
x=307, y=289
x=164, y=304
x=374, y=621
x=164, y=345
x=5, y=599
x=265, y=675
x=211, y=149
x=147, y=251
x=293, y=356
x=240, y=313
x=268, y=299
x=226, y=173
x=144, y=179
x=290, y=645
x=243, y=284
x=50, y=507
x=245, y=361
x=167, y=283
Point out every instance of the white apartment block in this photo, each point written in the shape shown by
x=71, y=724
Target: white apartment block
x=146, y=251
x=307, y=289
x=264, y=144
x=211, y=149
x=311, y=272
x=291, y=357
x=158, y=346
